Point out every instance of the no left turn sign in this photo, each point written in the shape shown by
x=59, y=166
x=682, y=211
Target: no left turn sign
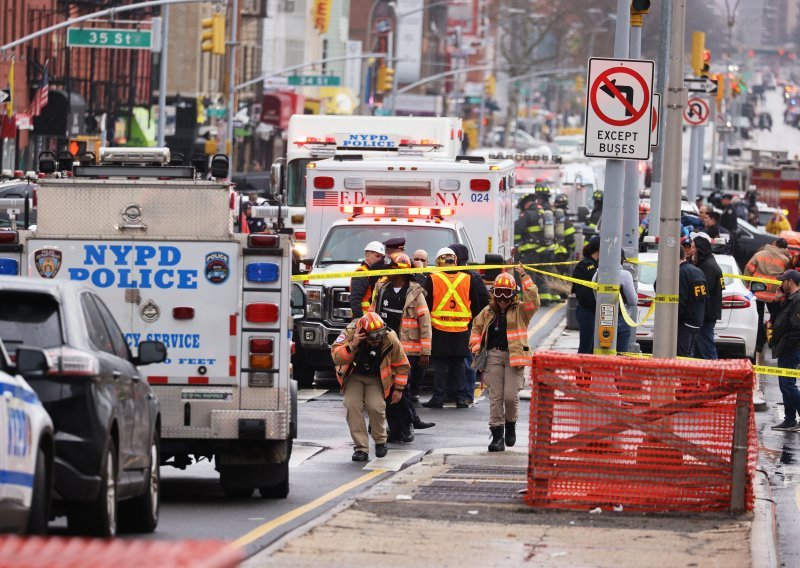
x=696, y=112
x=619, y=108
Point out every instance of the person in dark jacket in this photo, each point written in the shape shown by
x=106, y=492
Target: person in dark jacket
x=462, y=258
x=704, y=347
x=692, y=293
x=584, y=311
x=785, y=345
x=361, y=286
x=728, y=219
x=453, y=302
x=714, y=230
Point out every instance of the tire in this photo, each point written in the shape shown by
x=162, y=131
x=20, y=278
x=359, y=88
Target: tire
x=99, y=517
x=39, y=514
x=140, y=514
x=281, y=489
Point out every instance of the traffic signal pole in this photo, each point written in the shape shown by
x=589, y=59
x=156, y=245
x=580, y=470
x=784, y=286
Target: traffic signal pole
x=606, y=312
x=162, y=78
x=665, y=340
x=233, y=43
x=662, y=75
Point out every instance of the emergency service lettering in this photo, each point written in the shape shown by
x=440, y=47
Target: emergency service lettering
x=159, y=260
x=449, y=199
x=19, y=433
x=170, y=340
x=368, y=141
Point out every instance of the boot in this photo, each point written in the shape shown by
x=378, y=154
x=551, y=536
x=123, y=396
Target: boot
x=497, y=444
x=511, y=433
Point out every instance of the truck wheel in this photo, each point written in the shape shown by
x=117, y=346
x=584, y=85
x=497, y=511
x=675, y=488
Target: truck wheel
x=140, y=514
x=99, y=517
x=280, y=490
x=39, y=514
x=234, y=482
x=303, y=374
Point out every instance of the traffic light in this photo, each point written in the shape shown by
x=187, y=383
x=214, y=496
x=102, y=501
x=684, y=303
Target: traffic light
x=706, y=63
x=640, y=6
x=388, y=79
x=214, y=34
x=698, y=52
x=384, y=80
x=490, y=85
x=76, y=147
x=720, y=87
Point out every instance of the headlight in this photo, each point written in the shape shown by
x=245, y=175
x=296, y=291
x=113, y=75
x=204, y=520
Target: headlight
x=314, y=302
x=314, y=294
x=300, y=249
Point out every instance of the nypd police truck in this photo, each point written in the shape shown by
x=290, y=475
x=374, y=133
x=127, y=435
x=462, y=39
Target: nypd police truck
x=156, y=242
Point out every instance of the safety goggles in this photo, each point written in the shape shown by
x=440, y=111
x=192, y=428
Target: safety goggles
x=376, y=335
x=503, y=293
x=420, y=260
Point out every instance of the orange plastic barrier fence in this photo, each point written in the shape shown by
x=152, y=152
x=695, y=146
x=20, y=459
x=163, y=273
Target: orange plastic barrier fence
x=60, y=552
x=647, y=434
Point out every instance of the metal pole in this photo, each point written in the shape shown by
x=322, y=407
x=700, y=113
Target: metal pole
x=692, y=173
x=701, y=162
x=307, y=64
x=665, y=340
x=630, y=212
x=610, y=244
x=662, y=74
x=232, y=83
x=362, y=104
x=714, y=142
x=162, y=79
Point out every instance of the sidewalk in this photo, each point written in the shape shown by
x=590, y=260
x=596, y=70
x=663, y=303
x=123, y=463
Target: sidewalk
x=463, y=507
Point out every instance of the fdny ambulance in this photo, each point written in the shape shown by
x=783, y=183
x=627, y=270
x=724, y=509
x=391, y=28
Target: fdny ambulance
x=315, y=137
x=432, y=203
x=156, y=243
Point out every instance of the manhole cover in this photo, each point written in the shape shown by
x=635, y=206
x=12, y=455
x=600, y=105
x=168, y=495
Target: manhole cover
x=471, y=484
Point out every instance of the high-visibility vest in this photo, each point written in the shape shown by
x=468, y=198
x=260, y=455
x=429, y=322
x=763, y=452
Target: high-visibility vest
x=366, y=301
x=451, y=305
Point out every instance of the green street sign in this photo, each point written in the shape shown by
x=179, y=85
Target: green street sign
x=109, y=38
x=314, y=81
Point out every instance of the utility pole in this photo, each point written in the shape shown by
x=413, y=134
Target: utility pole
x=662, y=75
x=665, y=340
x=162, y=78
x=611, y=226
x=233, y=43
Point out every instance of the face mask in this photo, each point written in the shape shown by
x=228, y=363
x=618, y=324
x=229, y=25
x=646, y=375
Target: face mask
x=449, y=261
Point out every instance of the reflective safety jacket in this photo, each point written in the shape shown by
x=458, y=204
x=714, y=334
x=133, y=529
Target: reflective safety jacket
x=360, y=291
x=518, y=316
x=415, y=325
x=451, y=301
x=393, y=361
x=769, y=262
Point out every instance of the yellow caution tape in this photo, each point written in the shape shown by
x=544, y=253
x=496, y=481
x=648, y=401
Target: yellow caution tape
x=666, y=298
x=626, y=316
x=588, y=284
x=752, y=278
x=608, y=288
x=760, y=369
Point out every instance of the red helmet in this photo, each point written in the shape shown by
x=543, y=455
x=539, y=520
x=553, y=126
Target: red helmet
x=373, y=324
x=504, y=286
x=400, y=260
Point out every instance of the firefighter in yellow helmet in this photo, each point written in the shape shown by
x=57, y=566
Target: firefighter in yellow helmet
x=501, y=331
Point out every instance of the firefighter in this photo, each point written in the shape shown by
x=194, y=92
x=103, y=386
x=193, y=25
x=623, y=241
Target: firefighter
x=360, y=286
x=524, y=238
x=400, y=302
x=453, y=301
x=565, y=233
x=597, y=210
x=546, y=248
x=371, y=368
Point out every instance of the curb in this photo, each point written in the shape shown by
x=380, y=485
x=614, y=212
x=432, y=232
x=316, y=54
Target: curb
x=763, y=530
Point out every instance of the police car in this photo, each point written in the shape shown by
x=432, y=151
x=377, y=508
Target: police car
x=26, y=446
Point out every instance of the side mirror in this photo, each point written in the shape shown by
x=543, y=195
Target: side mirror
x=758, y=287
x=150, y=352
x=276, y=178
x=298, y=301
x=32, y=362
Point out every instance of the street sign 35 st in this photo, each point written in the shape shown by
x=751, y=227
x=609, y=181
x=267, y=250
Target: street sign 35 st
x=619, y=108
x=109, y=38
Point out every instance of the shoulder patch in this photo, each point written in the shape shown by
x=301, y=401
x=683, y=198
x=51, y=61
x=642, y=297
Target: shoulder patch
x=340, y=338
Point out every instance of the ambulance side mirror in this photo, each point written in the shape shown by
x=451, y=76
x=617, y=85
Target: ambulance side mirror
x=275, y=188
x=298, y=301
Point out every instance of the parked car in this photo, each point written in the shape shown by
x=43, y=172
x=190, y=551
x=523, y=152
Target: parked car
x=26, y=445
x=734, y=334
x=106, y=418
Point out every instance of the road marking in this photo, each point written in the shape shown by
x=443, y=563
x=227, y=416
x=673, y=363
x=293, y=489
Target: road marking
x=393, y=461
x=302, y=453
x=258, y=532
x=304, y=395
x=543, y=320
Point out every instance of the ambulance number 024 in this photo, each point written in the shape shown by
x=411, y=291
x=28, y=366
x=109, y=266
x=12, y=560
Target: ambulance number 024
x=480, y=197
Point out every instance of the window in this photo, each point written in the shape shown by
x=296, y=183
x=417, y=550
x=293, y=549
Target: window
x=296, y=182
x=95, y=328
x=29, y=319
x=345, y=245
x=117, y=339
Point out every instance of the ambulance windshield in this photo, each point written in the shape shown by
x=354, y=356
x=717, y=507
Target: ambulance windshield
x=345, y=245
x=296, y=182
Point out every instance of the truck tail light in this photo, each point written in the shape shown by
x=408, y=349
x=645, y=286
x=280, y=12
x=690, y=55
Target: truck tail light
x=480, y=184
x=260, y=361
x=262, y=272
x=261, y=313
x=35, y=198
x=644, y=300
x=300, y=235
x=260, y=240
x=735, y=302
x=74, y=363
x=183, y=313
x=9, y=267
x=261, y=345
x=323, y=182
x=9, y=237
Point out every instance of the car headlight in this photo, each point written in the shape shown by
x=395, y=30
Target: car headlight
x=300, y=249
x=314, y=302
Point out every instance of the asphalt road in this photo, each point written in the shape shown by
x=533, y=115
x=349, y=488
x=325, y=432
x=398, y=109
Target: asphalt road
x=322, y=474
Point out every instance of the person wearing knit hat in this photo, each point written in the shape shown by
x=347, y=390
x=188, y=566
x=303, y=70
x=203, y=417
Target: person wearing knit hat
x=584, y=311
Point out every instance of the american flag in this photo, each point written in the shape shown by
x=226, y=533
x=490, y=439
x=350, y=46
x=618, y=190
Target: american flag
x=325, y=198
x=40, y=98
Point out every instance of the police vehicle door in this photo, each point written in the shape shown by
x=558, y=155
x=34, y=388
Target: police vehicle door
x=6, y=388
